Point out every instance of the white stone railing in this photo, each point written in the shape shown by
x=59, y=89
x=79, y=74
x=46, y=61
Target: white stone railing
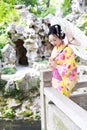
x=59, y=112
x=82, y=71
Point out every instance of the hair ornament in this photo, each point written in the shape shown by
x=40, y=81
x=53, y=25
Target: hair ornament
x=56, y=27
x=62, y=33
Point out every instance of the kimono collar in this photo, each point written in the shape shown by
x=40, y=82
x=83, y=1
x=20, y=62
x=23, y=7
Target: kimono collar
x=57, y=50
x=61, y=47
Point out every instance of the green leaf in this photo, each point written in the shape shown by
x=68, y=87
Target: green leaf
x=76, y=48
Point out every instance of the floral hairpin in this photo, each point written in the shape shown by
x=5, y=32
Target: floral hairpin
x=56, y=27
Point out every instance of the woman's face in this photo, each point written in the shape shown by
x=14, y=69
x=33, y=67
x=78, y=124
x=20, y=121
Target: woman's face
x=54, y=40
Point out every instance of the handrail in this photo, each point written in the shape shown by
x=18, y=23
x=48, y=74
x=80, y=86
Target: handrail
x=67, y=106
x=73, y=111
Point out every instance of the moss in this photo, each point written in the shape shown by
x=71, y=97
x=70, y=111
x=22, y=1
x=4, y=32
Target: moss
x=36, y=116
x=8, y=70
x=8, y=112
x=2, y=84
x=2, y=102
x=26, y=113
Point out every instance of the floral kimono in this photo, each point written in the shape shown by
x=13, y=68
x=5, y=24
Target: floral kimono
x=64, y=75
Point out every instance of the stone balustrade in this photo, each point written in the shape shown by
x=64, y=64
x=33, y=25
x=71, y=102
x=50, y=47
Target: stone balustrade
x=59, y=112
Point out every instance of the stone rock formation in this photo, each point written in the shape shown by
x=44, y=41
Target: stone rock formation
x=78, y=8
x=30, y=38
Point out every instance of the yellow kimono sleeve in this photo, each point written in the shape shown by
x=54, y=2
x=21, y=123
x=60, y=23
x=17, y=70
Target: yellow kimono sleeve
x=66, y=61
x=69, y=63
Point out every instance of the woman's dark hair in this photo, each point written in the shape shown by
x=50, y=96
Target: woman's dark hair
x=56, y=30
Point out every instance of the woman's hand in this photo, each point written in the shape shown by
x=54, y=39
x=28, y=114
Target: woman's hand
x=52, y=63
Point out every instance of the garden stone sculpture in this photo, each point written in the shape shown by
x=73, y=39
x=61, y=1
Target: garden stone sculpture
x=8, y=54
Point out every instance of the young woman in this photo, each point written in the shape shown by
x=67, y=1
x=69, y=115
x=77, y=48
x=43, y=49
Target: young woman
x=62, y=62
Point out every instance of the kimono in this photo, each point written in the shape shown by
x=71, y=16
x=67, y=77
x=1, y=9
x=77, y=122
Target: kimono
x=64, y=75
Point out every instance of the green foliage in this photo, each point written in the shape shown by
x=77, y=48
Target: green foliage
x=82, y=23
x=40, y=9
x=45, y=11
x=3, y=41
x=3, y=27
x=26, y=2
x=8, y=13
x=66, y=7
x=2, y=84
x=13, y=2
x=8, y=112
x=26, y=113
x=4, y=38
x=30, y=2
x=8, y=70
x=15, y=93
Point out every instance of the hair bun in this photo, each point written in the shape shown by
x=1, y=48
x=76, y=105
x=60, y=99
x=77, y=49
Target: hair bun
x=56, y=29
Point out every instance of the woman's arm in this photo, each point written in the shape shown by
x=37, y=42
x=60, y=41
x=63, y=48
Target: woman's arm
x=66, y=61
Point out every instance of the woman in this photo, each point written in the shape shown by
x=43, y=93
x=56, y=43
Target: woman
x=62, y=62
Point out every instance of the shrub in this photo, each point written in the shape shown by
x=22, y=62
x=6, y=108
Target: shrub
x=82, y=23
x=8, y=70
x=66, y=7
